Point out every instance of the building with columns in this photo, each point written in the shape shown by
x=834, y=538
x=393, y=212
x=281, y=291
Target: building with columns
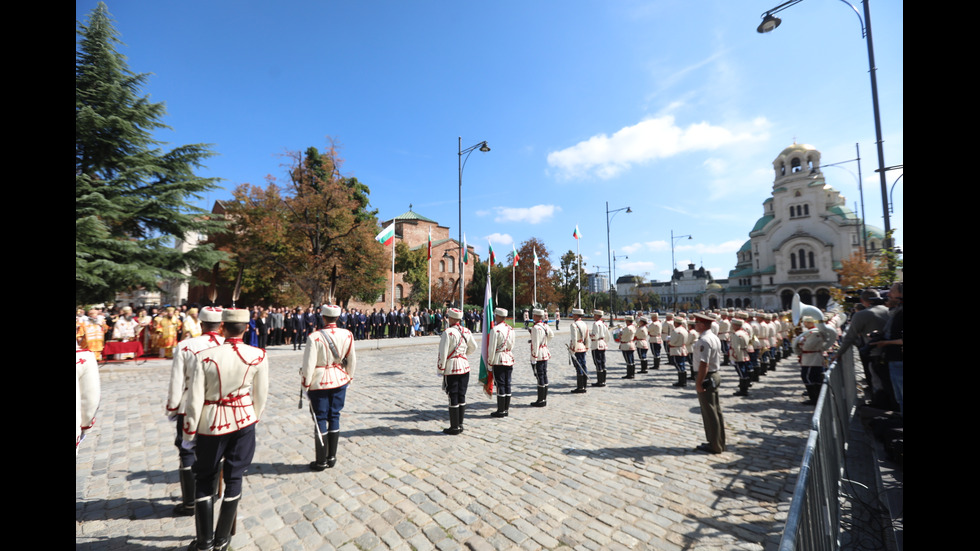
x=804, y=233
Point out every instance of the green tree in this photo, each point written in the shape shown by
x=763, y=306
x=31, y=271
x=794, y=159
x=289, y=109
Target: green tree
x=525, y=274
x=414, y=267
x=567, y=278
x=131, y=196
x=296, y=234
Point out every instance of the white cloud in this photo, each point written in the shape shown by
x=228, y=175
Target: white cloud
x=606, y=156
x=720, y=248
x=499, y=238
x=654, y=246
x=529, y=215
x=634, y=268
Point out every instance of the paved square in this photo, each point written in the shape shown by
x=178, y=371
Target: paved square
x=610, y=469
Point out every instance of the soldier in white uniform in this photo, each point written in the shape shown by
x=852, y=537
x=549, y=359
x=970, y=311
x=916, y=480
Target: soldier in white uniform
x=88, y=392
x=228, y=388
x=177, y=399
x=599, y=337
x=656, y=338
x=738, y=350
x=678, y=350
x=328, y=368
x=725, y=336
x=454, y=368
x=665, y=331
x=500, y=356
x=578, y=346
x=628, y=347
x=541, y=336
x=692, y=336
x=642, y=341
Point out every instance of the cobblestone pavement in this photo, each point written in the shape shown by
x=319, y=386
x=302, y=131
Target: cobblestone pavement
x=614, y=468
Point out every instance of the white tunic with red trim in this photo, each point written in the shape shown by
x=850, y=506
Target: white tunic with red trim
x=626, y=337
x=580, y=334
x=642, y=338
x=500, y=345
x=228, y=388
x=541, y=335
x=599, y=334
x=88, y=391
x=321, y=368
x=455, y=344
x=179, y=373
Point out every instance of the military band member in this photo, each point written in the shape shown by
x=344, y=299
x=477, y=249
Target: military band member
x=229, y=385
x=642, y=341
x=541, y=336
x=677, y=349
x=738, y=350
x=628, y=347
x=177, y=399
x=578, y=346
x=811, y=346
x=656, y=338
x=328, y=369
x=455, y=344
x=707, y=355
x=599, y=337
x=500, y=356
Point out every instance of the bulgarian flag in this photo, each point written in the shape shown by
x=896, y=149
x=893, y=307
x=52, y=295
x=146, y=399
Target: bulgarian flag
x=387, y=235
x=517, y=257
x=576, y=234
x=466, y=252
x=536, y=263
x=430, y=243
x=486, y=378
x=493, y=257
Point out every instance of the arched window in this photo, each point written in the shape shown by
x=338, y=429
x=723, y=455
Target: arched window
x=398, y=292
x=792, y=262
x=812, y=263
x=782, y=169
x=452, y=264
x=802, y=259
x=442, y=265
x=796, y=165
x=806, y=210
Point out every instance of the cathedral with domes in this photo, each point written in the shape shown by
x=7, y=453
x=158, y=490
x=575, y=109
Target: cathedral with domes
x=804, y=233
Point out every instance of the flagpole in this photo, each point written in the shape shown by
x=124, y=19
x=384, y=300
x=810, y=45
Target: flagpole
x=578, y=270
x=430, y=281
x=535, y=268
x=513, y=293
x=392, y=306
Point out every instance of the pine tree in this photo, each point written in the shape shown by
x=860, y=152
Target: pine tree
x=131, y=196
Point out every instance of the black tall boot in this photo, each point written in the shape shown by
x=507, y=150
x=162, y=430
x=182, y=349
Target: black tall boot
x=320, y=462
x=681, y=379
x=743, y=388
x=226, y=520
x=579, y=384
x=630, y=371
x=204, y=524
x=501, y=407
x=333, y=438
x=600, y=379
x=453, y=421
x=643, y=365
x=187, y=486
x=462, y=414
x=542, y=397
x=656, y=361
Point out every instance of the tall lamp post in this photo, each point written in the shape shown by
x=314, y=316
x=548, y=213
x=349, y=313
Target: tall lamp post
x=482, y=146
x=673, y=263
x=609, y=252
x=770, y=22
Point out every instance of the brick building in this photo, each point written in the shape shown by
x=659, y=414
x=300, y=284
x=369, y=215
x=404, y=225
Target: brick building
x=413, y=229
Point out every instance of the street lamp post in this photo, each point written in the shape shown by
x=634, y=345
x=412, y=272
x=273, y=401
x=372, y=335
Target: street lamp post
x=609, y=251
x=770, y=22
x=673, y=263
x=482, y=146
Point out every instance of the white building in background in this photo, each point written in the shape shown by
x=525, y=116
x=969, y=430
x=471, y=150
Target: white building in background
x=598, y=283
x=805, y=231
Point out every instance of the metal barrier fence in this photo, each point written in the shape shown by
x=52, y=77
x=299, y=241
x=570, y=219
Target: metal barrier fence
x=813, y=522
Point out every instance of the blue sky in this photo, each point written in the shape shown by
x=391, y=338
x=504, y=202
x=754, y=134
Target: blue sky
x=674, y=108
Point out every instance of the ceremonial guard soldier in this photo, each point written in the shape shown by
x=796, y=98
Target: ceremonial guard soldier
x=328, y=368
x=656, y=338
x=500, y=357
x=725, y=336
x=541, y=336
x=642, y=340
x=180, y=373
x=456, y=343
x=707, y=356
x=88, y=392
x=678, y=350
x=578, y=346
x=628, y=347
x=599, y=335
x=692, y=337
x=665, y=331
x=229, y=385
x=738, y=351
